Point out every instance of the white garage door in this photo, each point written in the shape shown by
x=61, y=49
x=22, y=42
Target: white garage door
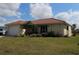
x=14, y=30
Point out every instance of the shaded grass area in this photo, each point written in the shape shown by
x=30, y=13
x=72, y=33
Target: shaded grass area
x=39, y=45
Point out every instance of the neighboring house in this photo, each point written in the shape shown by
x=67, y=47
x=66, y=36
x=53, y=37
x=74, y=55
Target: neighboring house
x=3, y=30
x=42, y=26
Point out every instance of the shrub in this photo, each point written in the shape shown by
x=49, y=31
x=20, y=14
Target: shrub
x=53, y=34
x=39, y=35
x=45, y=34
x=50, y=34
x=35, y=35
x=58, y=35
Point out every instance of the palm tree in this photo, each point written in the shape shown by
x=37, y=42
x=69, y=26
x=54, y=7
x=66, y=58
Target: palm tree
x=73, y=29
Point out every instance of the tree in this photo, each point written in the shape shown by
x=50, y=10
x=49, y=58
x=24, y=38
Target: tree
x=74, y=29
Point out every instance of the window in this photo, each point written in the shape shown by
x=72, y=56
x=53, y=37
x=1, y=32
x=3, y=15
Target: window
x=43, y=28
x=67, y=27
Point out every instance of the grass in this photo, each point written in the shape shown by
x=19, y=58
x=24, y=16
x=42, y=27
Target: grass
x=39, y=45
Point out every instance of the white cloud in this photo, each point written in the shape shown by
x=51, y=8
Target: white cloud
x=70, y=16
x=63, y=16
x=8, y=9
x=44, y=10
x=41, y=10
x=2, y=21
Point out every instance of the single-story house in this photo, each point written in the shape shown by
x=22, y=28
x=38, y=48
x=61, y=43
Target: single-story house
x=41, y=26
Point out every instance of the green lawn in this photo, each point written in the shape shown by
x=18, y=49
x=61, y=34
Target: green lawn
x=39, y=45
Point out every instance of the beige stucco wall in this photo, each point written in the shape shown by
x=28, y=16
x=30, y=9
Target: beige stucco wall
x=70, y=31
x=57, y=28
x=67, y=32
x=60, y=29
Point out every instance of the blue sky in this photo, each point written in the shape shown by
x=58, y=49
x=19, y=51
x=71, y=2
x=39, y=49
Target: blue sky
x=68, y=12
x=61, y=7
x=25, y=10
x=56, y=8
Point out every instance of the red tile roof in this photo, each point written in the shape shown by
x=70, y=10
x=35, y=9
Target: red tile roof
x=48, y=21
x=40, y=22
x=17, y=22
